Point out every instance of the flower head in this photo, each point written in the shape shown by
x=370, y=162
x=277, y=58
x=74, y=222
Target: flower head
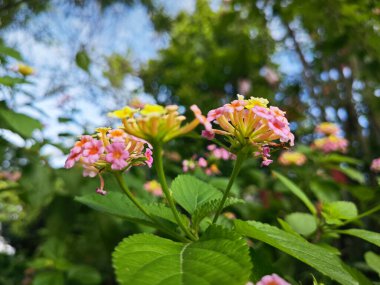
x=273, y=279
x=117, y=155
x=155, y=123
x=25, y=69
x=327, y=128
x=109, y=149
x=330, y=144
x=153, y=187
x=292, y=158
x=375, y=165
x=250, y=124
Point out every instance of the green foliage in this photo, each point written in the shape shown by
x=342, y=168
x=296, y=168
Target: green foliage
x=191, y=193
x=369, y=236
x=219, y=257
x=210, y=207
x=373, y=261
x=18, y=123
x=83, y=60
x=315, y=256
x=335, y=212
x=118, y=204
x=296, y=191
x=302, y=223
x=118, y=68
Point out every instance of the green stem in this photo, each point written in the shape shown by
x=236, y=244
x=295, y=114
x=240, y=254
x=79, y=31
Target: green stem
x=157, y=161
x=238, y=163
x=159, y=225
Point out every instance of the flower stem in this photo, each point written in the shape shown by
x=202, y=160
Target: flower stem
x=158, y=163
x=235, y=171
x=159, y=225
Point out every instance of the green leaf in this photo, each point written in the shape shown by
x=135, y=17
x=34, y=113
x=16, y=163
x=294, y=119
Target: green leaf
x=11, y=81
x=369, y=236
x=10, y=52
x=373, y=261
x=49, y=277
x=325, y=191
x=83, y=60
x=334, y=212
x=338, y=158
x=83, y=274
x=221, y=184
x=303, y=223
x=210, y=207
x=313, y=255
x=118, y=204
x=18, y=123
x=353, y=174
x=191, y=192
x=220, y=257
x=296, y=191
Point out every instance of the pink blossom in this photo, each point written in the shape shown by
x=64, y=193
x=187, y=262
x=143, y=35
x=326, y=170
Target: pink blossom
x=330, y=144
x=202, y=119
x=273, y=279
x=117, y=155
x=375, y=165
x=153, y=187
x=101, y=191
x=76, y=151
x=292, y=158
x=202, y=162
x=117, y=135
x=266, y=162
x=208, y=134
x=236, y=105
x=188, y=165
x=215, y=113
x=73, y=157
x=149, y=157
x=211, y=147
x=92, y=150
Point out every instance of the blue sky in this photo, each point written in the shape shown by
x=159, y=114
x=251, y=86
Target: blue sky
x=51, y=40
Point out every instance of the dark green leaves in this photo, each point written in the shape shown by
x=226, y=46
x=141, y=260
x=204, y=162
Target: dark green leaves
x=219, y=257
x=313, y=255
x=83, y=60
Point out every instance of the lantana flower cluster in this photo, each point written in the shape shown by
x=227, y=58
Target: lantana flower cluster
x=109, y=149
x=292, y=158
x=332, y=142
x=249, y=123
x=375, y=165
x=153, y=187
x=154, y=123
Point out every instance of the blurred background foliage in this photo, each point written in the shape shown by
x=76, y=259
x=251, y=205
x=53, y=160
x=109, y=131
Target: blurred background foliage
x=316, y=59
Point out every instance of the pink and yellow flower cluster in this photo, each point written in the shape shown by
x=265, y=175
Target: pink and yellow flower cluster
x=109, y=148
x=292, y=158
x=153, y=187
x=332, y=142
x=249, y=122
